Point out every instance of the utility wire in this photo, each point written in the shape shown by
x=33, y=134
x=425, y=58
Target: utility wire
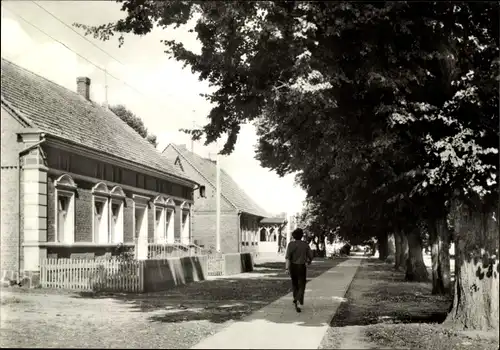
x=73, y=30
x=76, y=53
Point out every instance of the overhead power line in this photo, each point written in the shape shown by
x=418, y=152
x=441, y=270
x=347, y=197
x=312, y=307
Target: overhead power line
x=74, y=31
x=80, y=55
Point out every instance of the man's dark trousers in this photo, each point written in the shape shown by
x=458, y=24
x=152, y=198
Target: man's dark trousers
x=298, y=275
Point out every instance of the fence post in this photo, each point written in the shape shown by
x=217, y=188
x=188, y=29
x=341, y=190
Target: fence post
x=140, y=268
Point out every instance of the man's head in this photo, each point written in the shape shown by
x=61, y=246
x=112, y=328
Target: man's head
x=297, y=234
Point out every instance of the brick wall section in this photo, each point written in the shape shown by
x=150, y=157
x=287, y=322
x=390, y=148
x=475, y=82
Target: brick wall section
x=83, y=213
x=204, y=231
x=128, y=221
x=9, y=231
x=10, y=220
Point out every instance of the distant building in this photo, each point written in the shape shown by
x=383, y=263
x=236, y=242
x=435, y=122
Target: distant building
x=77, y=180
x=241, y=218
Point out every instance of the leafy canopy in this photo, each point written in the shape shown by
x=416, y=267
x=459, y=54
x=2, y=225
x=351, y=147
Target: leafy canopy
x=381, y=107
x=134, y=122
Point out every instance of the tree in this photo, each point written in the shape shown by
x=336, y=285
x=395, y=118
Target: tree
x=400, y=96
x=134, y=122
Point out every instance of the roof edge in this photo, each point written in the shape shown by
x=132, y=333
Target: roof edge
x=17, y=113
x=199, y=172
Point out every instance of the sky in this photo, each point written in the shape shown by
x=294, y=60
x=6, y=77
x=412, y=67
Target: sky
x=140, y=76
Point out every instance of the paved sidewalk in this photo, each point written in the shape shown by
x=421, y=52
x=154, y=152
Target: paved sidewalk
x=278, y=326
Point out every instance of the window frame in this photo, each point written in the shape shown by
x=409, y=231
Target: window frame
x=159, y=229
x=185, y=209
x=65, y=186
x=117, y=233
x=98, y=237
x=170, y=224
x=100, y=193
x=69, y=222
x=166, y=206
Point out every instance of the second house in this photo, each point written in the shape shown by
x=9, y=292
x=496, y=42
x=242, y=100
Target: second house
x=240, y=215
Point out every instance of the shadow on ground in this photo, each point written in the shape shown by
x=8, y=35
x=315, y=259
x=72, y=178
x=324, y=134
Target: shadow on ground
x=220, y=300
x=379, y=294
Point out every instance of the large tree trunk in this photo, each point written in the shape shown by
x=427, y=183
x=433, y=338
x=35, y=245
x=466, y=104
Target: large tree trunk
x=475, y=304
x=382, y=246
x=391, y=248
x=401, y=247
x=416, y=271
x=402, y=251
x=397, y=247
x=439, y=237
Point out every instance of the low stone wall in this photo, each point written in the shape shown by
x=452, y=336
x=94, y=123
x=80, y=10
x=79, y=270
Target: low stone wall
x=236, y=263
x=162, y=274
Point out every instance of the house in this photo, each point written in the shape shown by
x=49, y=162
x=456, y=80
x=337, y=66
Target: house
x=240, y=215
x=77, y=180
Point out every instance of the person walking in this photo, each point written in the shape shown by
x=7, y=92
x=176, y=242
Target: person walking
x=298, y=254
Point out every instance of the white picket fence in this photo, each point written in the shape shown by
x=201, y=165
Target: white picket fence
x=98, y=275
x=173, y=250
x=111, y=275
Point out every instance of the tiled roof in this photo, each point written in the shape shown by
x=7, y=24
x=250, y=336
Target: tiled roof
x=229, y=188
x=68, y=115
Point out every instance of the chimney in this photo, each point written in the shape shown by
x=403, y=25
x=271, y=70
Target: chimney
x=83, y=87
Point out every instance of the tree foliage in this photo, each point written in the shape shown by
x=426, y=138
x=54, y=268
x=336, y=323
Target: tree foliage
x=381, y=107
x=134, y=122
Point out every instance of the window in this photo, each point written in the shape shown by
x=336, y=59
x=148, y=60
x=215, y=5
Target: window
x=159, y=225
x=141, y=225
x=263, y=234
x=101, y=234
x=164, y=223
x=116, y=215
x=65, y=189
x=179, y=163
x=116, y=224
x=100, y=213
x=65, y=213
x=169, y=225
x=185, y=225
x=140, y=222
